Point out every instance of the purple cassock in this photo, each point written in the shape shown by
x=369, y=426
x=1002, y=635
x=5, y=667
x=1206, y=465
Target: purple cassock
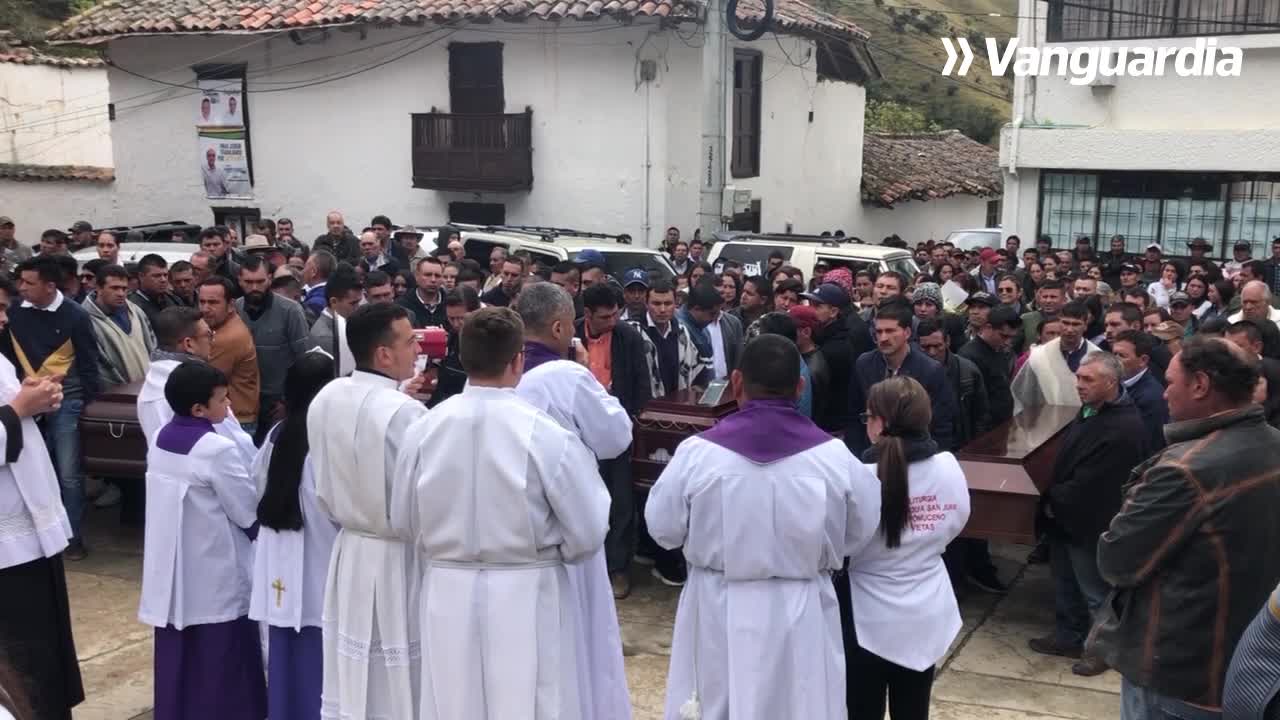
x=295, y=673
x=212, y=671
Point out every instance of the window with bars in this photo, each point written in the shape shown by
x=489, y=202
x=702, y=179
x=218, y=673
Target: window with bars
x=1122, y=19
x=1171, y=209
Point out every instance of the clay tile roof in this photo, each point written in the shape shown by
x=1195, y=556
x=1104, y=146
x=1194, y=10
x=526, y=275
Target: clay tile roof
x=14, y=50
x=39, y=173
x=114, y=18
x=927, y=166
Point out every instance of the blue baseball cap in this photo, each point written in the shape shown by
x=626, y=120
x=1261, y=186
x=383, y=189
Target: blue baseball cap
x=591, y=257
x=828, y=294
x=635, y=276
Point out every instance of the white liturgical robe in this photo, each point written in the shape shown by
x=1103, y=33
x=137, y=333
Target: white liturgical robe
x=33, y=524
x=154, y=411
x=757, y=629
x=356, y=427
x=290, y=567
x=571, y=395
x=496, y=517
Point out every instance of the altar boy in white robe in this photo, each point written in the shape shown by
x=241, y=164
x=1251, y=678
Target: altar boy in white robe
x=501, y=497
x=35, y=618
x=767, y=506
x=182, y=335
x=568, y=392
x=196, y=558
x=356, y=427
x=291, y=557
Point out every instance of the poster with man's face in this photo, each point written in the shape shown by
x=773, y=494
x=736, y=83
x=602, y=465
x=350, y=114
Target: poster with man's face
x=224, y=164
x=221, y=103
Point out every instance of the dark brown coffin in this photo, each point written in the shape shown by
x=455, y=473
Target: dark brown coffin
x=1008, y=469
x=111, y=440
x=663, y=424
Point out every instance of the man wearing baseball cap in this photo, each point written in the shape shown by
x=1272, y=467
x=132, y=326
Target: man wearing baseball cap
x=986, y=270
x=635, y=294
x=1182, y=312
x=980, y=305
x=1151, y=262
x=806, y=321
x=11, y=251
x=831, y=335
x=81, y=233
x=1241, y=253
x=1130, y=274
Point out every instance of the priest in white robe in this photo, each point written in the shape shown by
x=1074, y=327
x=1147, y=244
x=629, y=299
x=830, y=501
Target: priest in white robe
x=35, y=617
x=568, y=392
x=182, y=335
x=356, y=427
x=497, y=514
x=1049, y=375
x=767, y=506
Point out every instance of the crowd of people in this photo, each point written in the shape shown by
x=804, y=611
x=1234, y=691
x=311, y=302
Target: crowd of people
x=445, y=537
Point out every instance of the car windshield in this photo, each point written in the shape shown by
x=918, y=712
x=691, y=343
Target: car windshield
x=904, y=265
x=974, y=239
x=753, y=256
x=618, y=263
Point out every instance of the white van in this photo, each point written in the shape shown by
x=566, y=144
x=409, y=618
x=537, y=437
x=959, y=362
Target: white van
x=752, y=251
x=555, y=245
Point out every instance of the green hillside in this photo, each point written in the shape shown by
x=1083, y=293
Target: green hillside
x=905, y=40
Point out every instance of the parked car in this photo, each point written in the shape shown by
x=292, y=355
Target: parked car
x=976, y=238
x=555, y=245
x=156, y=232
x=752, y=251
x=133, y=252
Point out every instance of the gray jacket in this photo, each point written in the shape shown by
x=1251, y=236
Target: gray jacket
x=281, y=336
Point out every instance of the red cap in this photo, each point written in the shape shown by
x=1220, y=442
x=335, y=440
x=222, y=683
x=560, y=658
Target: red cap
x=988, y=255
x=803, y=316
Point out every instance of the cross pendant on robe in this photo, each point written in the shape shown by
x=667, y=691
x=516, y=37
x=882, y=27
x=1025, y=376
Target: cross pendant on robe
x=278, y=586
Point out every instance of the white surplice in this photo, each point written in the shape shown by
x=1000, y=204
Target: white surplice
x=290, y=567
x=33, y=523
x=1046, y=378
x=356, y=427
x=571, y=395
x=904, y=607
x=501, y=497
x=196, y=555
x=154, y=411
x=758, y=626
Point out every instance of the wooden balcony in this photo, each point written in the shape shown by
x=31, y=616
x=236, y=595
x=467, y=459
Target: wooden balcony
x=489, y=152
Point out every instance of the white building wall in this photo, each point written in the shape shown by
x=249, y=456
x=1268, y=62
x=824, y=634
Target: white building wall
x=54, y=116
x=39, y=206
x=916, y=220
x=1169, y=123
x=345, y=144
x=810, y=171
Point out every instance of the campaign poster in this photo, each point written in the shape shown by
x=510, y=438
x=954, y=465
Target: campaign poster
x=221, y=103
x=224, y=163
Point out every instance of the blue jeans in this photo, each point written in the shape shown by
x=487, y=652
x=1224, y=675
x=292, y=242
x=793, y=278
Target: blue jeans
x=1139, y=703
x=62, y=433
x=1078, y=590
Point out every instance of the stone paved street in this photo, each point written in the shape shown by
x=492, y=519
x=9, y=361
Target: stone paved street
x=988, y=675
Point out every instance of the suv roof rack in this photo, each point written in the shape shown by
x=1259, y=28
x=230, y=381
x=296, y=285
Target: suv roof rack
x=548, y=234
x=827, y=240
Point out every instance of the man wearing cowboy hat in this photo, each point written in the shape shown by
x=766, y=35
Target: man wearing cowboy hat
x=404, y=245
x=1199, y=249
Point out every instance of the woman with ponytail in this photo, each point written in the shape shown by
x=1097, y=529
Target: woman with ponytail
x=904, y=611
x=291, y=562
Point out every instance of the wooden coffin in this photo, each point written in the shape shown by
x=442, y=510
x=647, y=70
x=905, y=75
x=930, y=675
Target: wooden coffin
x=111, y=440
x=663, y=424
x=1008, y=469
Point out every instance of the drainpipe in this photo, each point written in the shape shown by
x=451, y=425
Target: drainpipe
x=646, y=228
x=711, y=162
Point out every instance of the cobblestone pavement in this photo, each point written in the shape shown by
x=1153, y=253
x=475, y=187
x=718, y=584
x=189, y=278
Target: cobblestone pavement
x=989, y=674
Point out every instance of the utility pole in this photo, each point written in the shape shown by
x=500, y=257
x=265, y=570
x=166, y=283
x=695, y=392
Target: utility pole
x=712, y=161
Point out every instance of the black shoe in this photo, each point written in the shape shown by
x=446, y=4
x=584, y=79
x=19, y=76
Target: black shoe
x=673, y=575
x=1040, y=555
x=1050, y=646
x=987, y=581
x=1089, y=666
x=76, y=551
